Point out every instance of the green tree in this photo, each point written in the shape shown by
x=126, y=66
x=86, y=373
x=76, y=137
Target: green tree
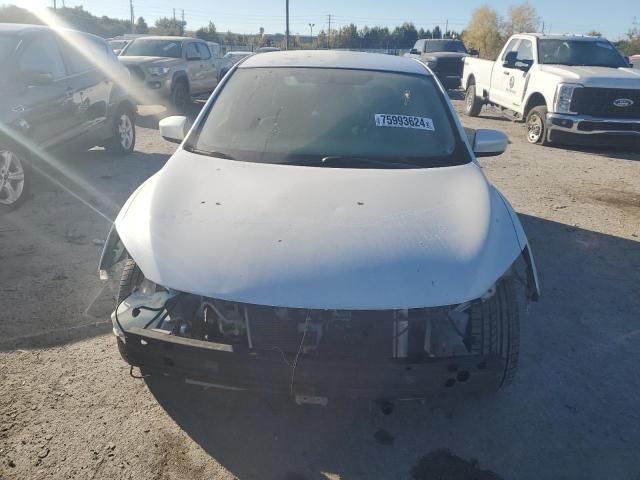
x=437, y=33
x=208, y=33
x=168, y=26
x=141, y=26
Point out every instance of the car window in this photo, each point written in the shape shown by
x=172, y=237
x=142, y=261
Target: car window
x=580, y=52
x=205, y=54
x=444, y=46
x=511, y=47
x=301, y=115
x=153, y=48
x=192, y=51
x=41, y=54
x=84, y=52
x=524, y=54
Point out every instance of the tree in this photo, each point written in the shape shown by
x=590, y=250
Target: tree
x=405, y=36
x=169, y=26
x=483, y=32
x=522, y=18
x=437, y=33
x=208, y=33
x=141, y=26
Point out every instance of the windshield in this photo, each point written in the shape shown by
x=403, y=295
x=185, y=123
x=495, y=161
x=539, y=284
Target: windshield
x=304, y=115
x=444, y=46
x=154, y=48
x=580, y=52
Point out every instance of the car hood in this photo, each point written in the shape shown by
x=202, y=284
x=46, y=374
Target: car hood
x=312, y=237
x=603, y=77
x=133, y=60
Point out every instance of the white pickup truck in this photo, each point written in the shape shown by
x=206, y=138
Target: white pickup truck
x=566, y=88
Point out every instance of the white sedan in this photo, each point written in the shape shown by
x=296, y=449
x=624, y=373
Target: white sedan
x=324, y=229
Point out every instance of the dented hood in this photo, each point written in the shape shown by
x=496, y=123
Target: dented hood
x=325, y=238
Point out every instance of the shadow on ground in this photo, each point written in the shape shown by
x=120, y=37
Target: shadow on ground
x=585, y=276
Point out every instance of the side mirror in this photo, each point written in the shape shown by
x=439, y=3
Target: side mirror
x=510, y=60
x=173, y=129
x=37, y=78
x=474, y=53
x=414, y=51
x=489, y=143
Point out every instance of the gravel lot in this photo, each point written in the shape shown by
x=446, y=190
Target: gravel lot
x=69, y=409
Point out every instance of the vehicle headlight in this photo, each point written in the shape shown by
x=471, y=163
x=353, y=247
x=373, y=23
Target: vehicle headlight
x=158, y=71
x=564, y=95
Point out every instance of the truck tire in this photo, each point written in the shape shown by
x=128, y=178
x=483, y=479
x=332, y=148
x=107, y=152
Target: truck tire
x=124, y=132
x=180, y=97
x=15, y=177
x=472, y=104
x=494, y=329
x=537, y=126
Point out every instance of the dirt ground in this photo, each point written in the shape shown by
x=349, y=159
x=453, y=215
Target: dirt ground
x=69, y=409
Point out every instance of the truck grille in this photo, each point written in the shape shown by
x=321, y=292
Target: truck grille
x=136, y=72
x=450, y=67
x=599, y=102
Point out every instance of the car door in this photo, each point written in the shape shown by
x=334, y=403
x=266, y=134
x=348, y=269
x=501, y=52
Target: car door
x=516, y=74
x=194, y=68
x=208, y=67
x=500, y=74
x=90, y=85
x=44, y=100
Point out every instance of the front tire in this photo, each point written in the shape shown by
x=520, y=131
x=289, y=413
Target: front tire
x=14, y=178
x=472, y=104
x=180, y=97
x=124, y=132
x=494, y=329
x=537, y=126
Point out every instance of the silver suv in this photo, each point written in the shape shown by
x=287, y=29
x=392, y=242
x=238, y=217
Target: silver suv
x=170, y=69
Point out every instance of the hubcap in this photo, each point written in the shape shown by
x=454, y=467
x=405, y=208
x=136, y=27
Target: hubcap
x=11, y=177
x=534, y=129
x=125, y=130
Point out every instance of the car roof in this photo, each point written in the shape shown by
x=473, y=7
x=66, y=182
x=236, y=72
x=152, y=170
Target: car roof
x=167, y=37
x=560, y=36
x=20, y=28
x=335, y=59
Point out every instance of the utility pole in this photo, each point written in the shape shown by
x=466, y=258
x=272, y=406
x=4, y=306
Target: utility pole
x=182, y=24
x=133, y=28
x=311, y=25
x=55, y=6
x=174, y=15
x=287, y=29
x=446, y=29
x=329, y=34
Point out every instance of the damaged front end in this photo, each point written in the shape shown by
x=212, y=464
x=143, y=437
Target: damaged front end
x=314, y=353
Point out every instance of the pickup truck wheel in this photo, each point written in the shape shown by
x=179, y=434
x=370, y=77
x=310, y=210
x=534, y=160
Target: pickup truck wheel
x=14, y=178
x=124, y=132
x=472, y=104
x=537, y=126
x=494, y=329
x=180, y=97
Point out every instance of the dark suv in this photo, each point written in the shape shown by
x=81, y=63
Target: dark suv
x=57, y=87
x=444, y=57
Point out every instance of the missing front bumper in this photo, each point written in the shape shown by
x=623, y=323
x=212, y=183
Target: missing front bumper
x=224, y=366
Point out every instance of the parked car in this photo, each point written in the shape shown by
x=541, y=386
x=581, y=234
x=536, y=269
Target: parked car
x=117, y=45
x=57, y=87
x=324, y=229
x=444, y=57
x=635, y=61
x=170, y=70
x=566, y=88
x=229, y=60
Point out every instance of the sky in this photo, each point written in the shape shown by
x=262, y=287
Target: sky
x=612, y=18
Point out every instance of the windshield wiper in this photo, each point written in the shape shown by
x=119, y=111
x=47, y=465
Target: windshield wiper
x=344, y=160
x=208, y=153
